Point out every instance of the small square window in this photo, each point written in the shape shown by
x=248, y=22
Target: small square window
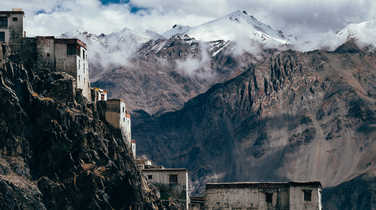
x=71, y=49
x=3, y=22
x=2, y=36
x=173, y=179
x=15, y=19
x=150, y=177
x=307, y=195
x=269, y=197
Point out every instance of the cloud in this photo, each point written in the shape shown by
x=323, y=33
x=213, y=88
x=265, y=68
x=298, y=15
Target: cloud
x=295, y=16
x=197, y=66
x=314, y=22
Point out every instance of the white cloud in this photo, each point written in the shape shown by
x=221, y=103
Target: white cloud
x=197, y=67
x=291, y=15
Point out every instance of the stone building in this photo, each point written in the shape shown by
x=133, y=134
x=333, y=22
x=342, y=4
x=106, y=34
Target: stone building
x=117, y=115
x=65, y=55
x=98, y=94
x=143, y=163
x=263, y=196
x=172, y=183
x=11, y=27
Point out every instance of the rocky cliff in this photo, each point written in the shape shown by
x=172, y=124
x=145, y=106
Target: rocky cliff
x=358, y=193
x=296, y=116
x=55, y=152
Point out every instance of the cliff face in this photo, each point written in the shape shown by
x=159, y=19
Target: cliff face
x=358, y=193
x=296, y=116
x=55, y=153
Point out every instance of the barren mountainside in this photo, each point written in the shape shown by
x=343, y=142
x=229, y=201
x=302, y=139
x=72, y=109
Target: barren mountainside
x=166, y=73
x=297, y=116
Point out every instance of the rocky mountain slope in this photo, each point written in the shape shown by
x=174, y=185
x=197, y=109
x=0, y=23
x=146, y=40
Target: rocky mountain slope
x=296, y=116
x=158, y=74
x=358, y=193
x=167, y=73
x=55, y=151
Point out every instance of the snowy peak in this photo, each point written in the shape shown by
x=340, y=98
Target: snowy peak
x=237, y=26
x=176, y=30
x=363, y=33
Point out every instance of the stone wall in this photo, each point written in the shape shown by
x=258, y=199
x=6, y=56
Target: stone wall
x=261, y=196
x=161, y=177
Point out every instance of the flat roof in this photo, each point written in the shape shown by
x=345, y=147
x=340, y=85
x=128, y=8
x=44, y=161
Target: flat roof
x=115, y=99
x=11, y=12
x=261, y=184
x=71, y=41
x=165, y=170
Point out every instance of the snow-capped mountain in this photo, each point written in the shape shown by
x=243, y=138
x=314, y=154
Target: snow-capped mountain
x=176, y=30
x=364, y=33
x=237, y=26
x=124, y=37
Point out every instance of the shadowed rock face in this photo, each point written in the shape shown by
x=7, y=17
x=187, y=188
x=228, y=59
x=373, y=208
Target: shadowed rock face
x=358, y=193
x=55, y=152
x=296, y=116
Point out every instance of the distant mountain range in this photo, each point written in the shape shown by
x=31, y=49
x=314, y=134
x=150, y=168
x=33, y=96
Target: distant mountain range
x=233, y=100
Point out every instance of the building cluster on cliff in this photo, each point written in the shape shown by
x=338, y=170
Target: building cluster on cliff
x=67, y=55
x=70, y=55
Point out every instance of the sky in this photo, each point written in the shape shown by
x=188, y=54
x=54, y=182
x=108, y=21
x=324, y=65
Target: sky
x=298, y=17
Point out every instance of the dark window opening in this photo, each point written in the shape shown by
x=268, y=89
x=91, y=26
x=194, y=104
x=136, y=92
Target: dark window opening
x=2, y=36
x=173, y=179
x=48, y=54
x=15, y=19
x=3, y=22
x=269, y=197
x=150, y=177
x=307, y=195
x=123, y=109
x=71, y=49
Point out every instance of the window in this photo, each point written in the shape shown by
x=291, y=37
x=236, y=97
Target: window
x=269, y=197
x=15, y=19
x=71, y=49
x=83, y=55
x=150, y=177
x=2, y=36
x=3, y=22
x=307, y=195
x=123, y=109
x=173, y=179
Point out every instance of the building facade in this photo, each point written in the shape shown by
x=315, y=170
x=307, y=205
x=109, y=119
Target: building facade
x=98, y=94
x=172, y=182
x=263, y=196
x=11, y=27
x=65, y=55
x=117, y=115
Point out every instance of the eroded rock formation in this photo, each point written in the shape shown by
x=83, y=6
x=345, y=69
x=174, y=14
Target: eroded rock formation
x=55, y=152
